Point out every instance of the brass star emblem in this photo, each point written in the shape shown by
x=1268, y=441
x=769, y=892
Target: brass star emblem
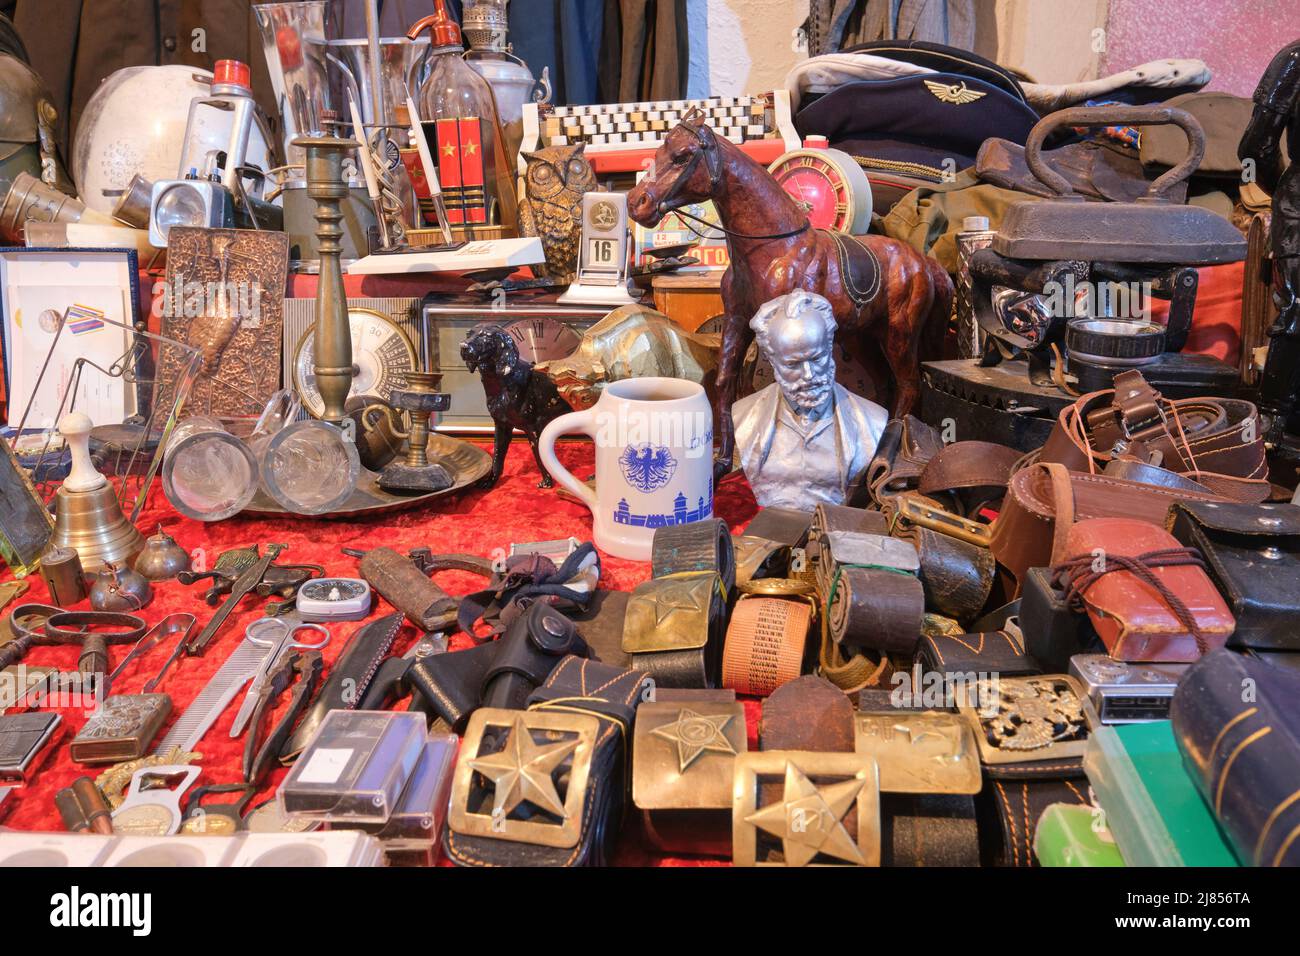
x=522, y=770
x=695, y=734
x=681, y=595
x=809, y=819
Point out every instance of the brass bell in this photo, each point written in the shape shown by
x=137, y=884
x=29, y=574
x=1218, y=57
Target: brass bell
x=119, y=589
x=162, y=558
x=87, y=515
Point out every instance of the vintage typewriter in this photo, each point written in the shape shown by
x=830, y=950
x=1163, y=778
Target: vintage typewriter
x=622, y=137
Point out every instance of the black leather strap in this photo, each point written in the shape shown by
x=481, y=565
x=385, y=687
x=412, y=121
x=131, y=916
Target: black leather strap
x=349, y=677
x=1017, y=794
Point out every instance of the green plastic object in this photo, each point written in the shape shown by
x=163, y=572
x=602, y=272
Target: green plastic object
x=1069, y=834
x=1152, y=806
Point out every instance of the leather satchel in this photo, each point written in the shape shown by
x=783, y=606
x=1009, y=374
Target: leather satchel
x=1217, y=442
x=1044, y=500
x=1252, y=553
x=1148, y=598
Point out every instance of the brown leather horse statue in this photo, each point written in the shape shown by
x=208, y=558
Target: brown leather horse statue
x=883, y=291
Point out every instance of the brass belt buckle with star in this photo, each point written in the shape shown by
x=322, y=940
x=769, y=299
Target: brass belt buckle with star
x=827, y=812
x=522, y=776
x=684, y=750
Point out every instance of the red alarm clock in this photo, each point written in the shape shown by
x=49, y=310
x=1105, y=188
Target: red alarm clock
x=829, y=185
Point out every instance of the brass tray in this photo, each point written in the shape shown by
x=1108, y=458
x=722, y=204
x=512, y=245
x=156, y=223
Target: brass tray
x=467, y=464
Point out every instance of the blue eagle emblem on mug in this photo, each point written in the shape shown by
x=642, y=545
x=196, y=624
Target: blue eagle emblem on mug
x=647, y=467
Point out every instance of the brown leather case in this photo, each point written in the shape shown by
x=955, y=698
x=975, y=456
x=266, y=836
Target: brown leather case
x=1028, y=533
x=1132, y=618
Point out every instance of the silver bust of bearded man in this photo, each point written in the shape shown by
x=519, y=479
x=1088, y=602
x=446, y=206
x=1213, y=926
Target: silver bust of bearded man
x=805, y=439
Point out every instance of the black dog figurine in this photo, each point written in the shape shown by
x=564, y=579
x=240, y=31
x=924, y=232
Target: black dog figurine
x=517, y=396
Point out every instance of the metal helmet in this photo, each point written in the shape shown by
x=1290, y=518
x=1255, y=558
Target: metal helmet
x=27, y=127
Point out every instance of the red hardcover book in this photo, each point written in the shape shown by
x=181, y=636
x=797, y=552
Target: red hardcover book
x=471, y=170
x=449, y=170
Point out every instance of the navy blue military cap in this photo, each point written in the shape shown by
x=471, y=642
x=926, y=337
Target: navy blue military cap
x=915, y=130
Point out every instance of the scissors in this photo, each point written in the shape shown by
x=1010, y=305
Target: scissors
x=281, y=637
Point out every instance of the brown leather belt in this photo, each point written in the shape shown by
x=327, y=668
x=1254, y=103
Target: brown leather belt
x=975, y=472
x=1217, y=442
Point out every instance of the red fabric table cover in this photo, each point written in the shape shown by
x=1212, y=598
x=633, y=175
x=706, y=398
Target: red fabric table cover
x=476, y=522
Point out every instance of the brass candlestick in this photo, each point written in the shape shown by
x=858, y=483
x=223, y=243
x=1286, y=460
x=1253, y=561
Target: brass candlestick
x=420, y=398
x=332, y=349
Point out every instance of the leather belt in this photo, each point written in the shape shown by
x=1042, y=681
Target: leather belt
x=767, y=636
x=847, y=669
x=974, y=472
x=696, y=546
x=874, y=599
x=916, y=829
x=956, y=573
x=1217, y=442
x=783, y=525
x=684, y=751
x=1031, y=733
x=675, y=622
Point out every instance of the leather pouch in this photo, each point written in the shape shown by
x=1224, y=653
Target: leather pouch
x=1132, y=617
x=1054, y=631
x=1044, y=500
x=1253, y=556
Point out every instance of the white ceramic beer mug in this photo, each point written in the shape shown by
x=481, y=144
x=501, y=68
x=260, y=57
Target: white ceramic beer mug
x=654, y=460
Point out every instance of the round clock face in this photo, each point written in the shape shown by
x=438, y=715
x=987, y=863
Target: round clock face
x=542, y=339
x=829, y=186
x=381, y=353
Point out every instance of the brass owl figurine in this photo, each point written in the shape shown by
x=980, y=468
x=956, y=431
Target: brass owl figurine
x=554, y=183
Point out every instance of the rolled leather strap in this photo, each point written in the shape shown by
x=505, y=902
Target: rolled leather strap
x=674, y=628
x=350, y=675
x=1044, y=500
x=957, y=576
x=1217, y=442
x=695, y=546
x=765, y=643
x=872, y=595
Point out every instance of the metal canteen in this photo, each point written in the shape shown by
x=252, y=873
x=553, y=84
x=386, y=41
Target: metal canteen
x=162, y=558
x=119, y=589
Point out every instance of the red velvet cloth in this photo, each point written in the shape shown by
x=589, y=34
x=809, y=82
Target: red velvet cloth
x=476, y=522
